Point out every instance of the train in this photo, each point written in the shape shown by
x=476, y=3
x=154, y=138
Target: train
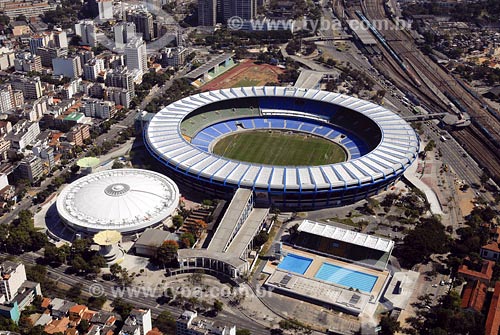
x=393, y=54
x=456, y=102
x=486, y=133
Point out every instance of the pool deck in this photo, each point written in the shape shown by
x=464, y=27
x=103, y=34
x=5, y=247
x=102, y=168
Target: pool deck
x=308, y=286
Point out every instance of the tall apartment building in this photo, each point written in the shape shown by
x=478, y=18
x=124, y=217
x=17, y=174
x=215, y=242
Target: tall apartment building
x=224, y=10
x=87, y=31
x=123, y=33
x=37, y=41
x=23, y=133
x=27, y=62
x=6, y=98
x=188, y=323
x=105, y=8
x=121, y=78
x=30, y=168
x=98, y=109
x=92, y=69
x=47, y=54
x=136, y=55
x=69, y=67
x=31, y=87
x=13, y=275
x=207, y=13
x=143, y=21
x=60, y=40
x=120, y=96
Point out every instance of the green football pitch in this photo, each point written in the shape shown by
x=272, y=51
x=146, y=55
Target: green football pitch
x=279, y=148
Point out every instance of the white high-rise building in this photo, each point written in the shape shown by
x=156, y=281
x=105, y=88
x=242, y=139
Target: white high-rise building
x=136, y=55
x=67, y=66
x=13, y=275
x=6, y=98
x=105, y=9
x=87, y=31
x=124, y=33
x=61, y=40
x=92, y=69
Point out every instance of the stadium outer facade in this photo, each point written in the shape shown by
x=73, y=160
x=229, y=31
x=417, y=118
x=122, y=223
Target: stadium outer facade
x=390, y=147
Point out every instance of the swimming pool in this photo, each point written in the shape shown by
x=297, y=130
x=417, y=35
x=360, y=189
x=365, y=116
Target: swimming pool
x=345, y=277
x=295, y=263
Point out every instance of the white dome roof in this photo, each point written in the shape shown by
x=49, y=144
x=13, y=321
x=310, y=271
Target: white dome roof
x=125, y=200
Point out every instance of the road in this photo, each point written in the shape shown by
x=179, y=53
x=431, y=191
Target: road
x=138, y=300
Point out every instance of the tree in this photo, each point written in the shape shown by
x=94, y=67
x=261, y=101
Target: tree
x=178, y=221
x=74, y=169
x=188, y=240
x=165, y=322
x=115, y=269
x=122, y=307
x=74, y=292
x=218, y=305
x=96, y=303
x=198, y=227
x=117, y=165
x=79, y=264
x=389, y=325
x=83, y=326
x=243, y=332
x=167, y=253
x=260, y=238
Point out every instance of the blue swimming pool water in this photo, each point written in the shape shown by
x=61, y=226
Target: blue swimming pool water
x=345, y=277
x=295, y=263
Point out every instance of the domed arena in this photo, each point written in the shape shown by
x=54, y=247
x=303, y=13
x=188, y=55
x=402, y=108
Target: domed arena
x=125, y=200
x=295, y=148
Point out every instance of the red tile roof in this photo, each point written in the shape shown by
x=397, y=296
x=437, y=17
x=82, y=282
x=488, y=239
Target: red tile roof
x=45, y=302
x=484, y=275
x=493, y=246
x=493, y=319
x=474, y=296
x=154, y=331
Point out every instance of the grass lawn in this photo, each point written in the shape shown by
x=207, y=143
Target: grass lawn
x=279, y=148
x=246, y=82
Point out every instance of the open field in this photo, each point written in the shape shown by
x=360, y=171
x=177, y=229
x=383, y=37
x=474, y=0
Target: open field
x=279, y=148
x=247, y=73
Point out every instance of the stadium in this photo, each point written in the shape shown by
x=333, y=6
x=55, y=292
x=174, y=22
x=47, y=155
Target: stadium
x=125, y=200
x=295, y=148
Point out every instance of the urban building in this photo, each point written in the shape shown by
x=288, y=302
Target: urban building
x=47, y=54
x=38, y=40
x=6, y=98
x=13, y=275
x=69, y=67
x=23, y=133
x=60, y=40
x=6, y=58
x=30, y=86
x=27, y=62
x=120, y=96
x=33, y=8
x=92, y=69
x=143, y=21
x=138, y=322
x=105, y=8
x=189, y=323
x=136, y=55
x=123, y=33
x=174, y=56
x=30, y=168
x=207, y=13
x=98, y=109
x=78, y=134
x=87, y=31
x=121, y=78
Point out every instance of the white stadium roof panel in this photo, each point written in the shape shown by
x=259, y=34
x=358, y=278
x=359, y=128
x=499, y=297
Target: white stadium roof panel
x=398, y=147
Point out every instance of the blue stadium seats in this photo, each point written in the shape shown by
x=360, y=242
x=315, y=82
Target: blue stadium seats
x=259, y=123
x=220, y=127
x=277, y=123
x=307, y=127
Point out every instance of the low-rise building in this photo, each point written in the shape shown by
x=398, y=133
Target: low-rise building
x=78, y=134
x=27, y=62
x=98, y=109
x=30, y=86
x=188, y=323
x=481, y=272
x=23, y=133
x=150, y=240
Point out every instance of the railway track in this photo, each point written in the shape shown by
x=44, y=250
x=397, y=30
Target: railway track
x=474, y=141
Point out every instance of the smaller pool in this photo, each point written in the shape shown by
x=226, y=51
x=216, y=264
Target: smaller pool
x=346, y=277
x=295, y=263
